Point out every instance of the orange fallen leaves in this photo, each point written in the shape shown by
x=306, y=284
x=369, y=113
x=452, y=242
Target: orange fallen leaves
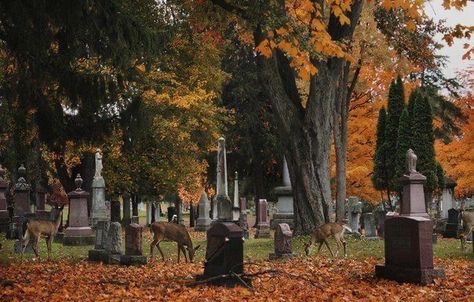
x=341, y=279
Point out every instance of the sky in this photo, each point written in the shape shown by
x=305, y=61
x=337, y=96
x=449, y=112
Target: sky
x=466, y=17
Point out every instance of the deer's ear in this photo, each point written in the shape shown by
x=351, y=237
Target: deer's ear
x=195, y=249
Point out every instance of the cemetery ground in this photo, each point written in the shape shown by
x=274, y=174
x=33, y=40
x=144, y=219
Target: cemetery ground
x=69, y=276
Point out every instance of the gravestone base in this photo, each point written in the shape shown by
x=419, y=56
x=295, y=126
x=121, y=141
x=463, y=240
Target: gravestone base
x=59, y=237
x=274, y=256
x=133, y=260
x=410, y=275
x=78, y=240
x=452, y=230
x=98, y=255
x=112, y=258
x=228, y=281
x=203, y=224
x=17, y=247
x=278, y=218
x=263, y=231
x=371, y=238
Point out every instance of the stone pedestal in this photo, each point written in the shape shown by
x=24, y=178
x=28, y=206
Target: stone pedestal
x=408, y=251
x=101, y=231
x=284, y=204
x=263, y=226
x=243, y=223
x=224, y=253
x=4, y=216
x=282, y=242
x=354, y=211
x=133, y=246
x=113, y=246
x=21, y=200
x=413, y=202
x=369, y=226
x=224, y=208
x=203, y=222
x=78, y=232
x=99, y=211
x=235, y=205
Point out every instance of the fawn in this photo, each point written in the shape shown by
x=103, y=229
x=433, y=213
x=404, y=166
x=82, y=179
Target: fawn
x=321, y=234
x=467, y=218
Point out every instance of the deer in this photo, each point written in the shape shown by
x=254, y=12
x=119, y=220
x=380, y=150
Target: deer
x=467, y=218
x=321, y=234
x=35, y=229
x=172, y=232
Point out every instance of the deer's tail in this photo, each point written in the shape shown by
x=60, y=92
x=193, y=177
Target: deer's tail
x=347, y=228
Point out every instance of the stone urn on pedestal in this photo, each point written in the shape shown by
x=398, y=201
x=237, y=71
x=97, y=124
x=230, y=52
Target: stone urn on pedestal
x=284, y=205
x=78, y=232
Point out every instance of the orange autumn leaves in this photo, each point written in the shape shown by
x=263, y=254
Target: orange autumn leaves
x=300, y=279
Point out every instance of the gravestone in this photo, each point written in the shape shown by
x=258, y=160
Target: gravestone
x=354, y=210
x=113, y=246
x=380, y=218
x=235, y=206
x=369, y=226
x=263, y=226
x=4, y=216
x=40, y=212
x=203, y=222
x=408, y=239
x=99, y=209
x=78, y=232
x=115, y=211
x=282, y=242
x=243, y=223
x=447, y=198
x=21, y=210
x=224, y=253
x=127, y=215
x=101, y=231
x=222, y=200
x=453, y=226
x=284, y=205
x=133, y=246
x=413, y=203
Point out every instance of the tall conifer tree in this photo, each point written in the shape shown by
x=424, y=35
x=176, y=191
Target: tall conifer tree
x=396, y=105
x=403, y=142
x=379, y=177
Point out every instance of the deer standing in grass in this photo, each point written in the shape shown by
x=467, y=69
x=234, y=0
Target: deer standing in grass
x=35, y=229
x=321, y=234
x=172, y=232
x=467, y=218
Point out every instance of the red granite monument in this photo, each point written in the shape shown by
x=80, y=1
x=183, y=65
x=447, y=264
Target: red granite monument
x=408, y=237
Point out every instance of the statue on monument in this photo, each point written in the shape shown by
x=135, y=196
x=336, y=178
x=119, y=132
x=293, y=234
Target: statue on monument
x=411, y=161
x=98, y=163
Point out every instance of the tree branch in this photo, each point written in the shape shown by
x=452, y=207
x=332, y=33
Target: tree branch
x=232, y=8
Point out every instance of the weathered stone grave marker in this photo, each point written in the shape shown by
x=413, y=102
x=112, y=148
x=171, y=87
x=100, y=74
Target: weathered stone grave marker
x=99, y=209
x=222, y=200
x=133, y=246
x=369, y=225
x=78, y=232
x=203, y=222
x=99, y=252
x=453, y=226
x=263, y=226
x=4, y=217
x=113, y=245
x=282, y=242
x=243, y=223
x=447, y=198
x=284, y=205
x=355, y=210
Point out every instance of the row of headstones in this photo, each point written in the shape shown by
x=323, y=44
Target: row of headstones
x=108, y=244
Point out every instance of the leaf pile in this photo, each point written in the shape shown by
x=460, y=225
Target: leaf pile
x=301, y=279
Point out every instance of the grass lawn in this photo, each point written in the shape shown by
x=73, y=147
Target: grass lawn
x=254, y=249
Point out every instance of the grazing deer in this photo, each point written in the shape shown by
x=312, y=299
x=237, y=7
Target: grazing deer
x=35, y=229
x=467, y=218
x=321, y=234
x=172, y=232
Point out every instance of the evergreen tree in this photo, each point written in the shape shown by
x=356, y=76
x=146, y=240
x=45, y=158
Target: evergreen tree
x=379, y=177
x=394, y=111
x=403, y=142
x=423, y=144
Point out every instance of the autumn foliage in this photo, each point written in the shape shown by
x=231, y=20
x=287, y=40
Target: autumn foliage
x=301, y=279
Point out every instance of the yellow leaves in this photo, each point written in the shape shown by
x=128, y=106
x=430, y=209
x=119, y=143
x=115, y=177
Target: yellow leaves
x=264, y=48
x=411, y=25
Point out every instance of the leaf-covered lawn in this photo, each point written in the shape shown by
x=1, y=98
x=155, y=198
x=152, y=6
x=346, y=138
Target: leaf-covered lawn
x=315, y=278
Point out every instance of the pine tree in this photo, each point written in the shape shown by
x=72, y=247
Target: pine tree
x=404, y=143
x=423, y=144
x=379, y=177
x=396, y=105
